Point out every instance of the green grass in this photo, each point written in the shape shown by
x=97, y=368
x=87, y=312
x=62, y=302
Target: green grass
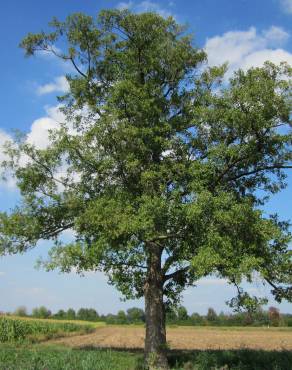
x=45, y=357
x=39, y=357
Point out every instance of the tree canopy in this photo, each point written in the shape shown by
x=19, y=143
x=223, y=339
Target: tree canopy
x=161, y=165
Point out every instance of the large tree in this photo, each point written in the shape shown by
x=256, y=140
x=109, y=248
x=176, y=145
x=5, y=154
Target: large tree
x=160, y=168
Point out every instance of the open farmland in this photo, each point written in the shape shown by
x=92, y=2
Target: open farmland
x=117, y=347
x=186, y=338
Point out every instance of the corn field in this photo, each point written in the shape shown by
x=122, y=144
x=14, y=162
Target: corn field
x=18, y=329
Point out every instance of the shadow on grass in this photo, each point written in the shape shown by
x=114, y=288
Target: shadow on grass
x=242, y=359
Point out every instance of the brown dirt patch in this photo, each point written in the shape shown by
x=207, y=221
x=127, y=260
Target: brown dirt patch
x=187, y=338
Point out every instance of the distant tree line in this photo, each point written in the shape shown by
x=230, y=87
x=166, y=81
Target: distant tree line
x=177, y=316
x=270, y=317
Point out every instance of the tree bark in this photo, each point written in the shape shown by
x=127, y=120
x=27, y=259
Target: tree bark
x=155, y=339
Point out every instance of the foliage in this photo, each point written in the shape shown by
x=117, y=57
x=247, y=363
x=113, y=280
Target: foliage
x=180, y=316
x=41, y=312
x=87, y=314
x=61, y=314
x=71, y=314
x=159, y=159
x=21, y=311
x=121, y=317
x=16, y=329
x=182, y=313
x=274, y=316
x=135, y=315
x=211, y=315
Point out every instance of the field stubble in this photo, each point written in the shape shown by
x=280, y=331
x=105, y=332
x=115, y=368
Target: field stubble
x=186, y=338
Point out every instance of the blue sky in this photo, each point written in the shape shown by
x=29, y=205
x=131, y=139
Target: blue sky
x=243, y=32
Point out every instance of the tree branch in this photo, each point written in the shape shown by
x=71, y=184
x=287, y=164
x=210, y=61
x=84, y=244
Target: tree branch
x=260, y=169
x=272, y=284
x=176, y=274
x=229, y=167
x=168, y=262
x=77, y=69
x=161, y=237
x=47, y=234
x=49, y=171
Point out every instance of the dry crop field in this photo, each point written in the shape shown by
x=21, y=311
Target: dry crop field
x=186, y=338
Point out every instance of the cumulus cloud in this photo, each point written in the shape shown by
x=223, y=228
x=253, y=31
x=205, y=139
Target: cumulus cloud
x=276, y=35
x=59, y=85
x=245, y=49
x=40, y=128
x=146, y=6
x=38, y=135
x=286, y=6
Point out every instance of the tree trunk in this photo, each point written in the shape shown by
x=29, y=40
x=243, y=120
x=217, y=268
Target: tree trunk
x=155, y=340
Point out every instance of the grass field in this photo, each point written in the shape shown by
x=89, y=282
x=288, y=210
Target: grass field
x=40, y=357
x=192, y=348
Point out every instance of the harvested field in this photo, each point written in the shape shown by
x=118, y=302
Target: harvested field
x=186, y=338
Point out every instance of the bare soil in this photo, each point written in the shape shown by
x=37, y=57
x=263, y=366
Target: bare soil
x=185, y=338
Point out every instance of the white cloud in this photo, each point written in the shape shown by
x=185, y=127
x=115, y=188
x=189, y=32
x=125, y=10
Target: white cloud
x=286, y=6
x=39, y=131
x=244, y=49
x=146, y=6
x=2, y=273
x=258, y=58
x=38, y=136
x=149, y=6
x=125, y=5
x=59, y=85
x=276, y=35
